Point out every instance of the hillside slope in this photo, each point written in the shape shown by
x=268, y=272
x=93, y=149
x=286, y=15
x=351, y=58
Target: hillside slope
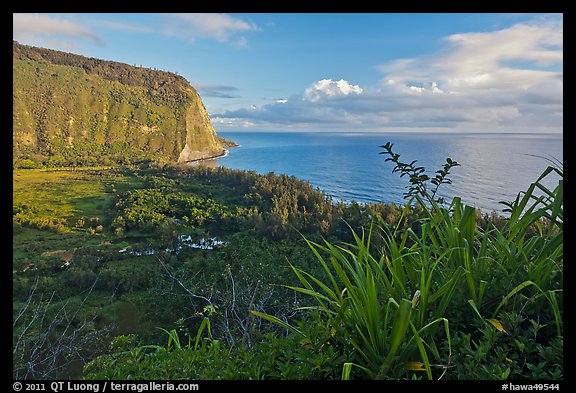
x=73, y=110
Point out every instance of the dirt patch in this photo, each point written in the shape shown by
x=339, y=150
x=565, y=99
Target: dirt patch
x=65, y=255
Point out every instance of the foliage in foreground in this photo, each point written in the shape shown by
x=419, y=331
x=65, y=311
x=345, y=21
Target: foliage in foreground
x=396, y=306
x=445, y=299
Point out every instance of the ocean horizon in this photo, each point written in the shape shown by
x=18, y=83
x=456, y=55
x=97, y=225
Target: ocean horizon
x=347, y=166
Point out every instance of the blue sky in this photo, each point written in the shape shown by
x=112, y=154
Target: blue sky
x=348, y=72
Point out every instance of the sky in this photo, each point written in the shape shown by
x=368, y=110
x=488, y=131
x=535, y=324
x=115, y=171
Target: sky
x=349, y=72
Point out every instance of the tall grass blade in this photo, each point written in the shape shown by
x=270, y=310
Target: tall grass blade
x=399, y=328
x=347, y=368
x=278, y=322
x=205, y=324
x=422, y=350
x=172, y=339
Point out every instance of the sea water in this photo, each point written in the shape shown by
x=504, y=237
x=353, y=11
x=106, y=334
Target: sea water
x=348, y=166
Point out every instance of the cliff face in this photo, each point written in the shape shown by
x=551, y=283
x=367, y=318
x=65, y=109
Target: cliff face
x=69, y=109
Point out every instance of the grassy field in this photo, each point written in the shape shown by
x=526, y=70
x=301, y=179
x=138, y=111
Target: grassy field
x=68, y=194
x=74, y=203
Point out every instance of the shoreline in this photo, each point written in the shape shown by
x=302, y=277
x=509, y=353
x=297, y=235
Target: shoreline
x=199, y=160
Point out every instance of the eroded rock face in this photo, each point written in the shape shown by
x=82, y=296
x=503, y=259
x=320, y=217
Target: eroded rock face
x=66, y=105
x=201, y=139
x=187, y=154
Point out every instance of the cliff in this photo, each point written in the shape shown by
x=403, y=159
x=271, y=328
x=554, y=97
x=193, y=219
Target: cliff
x=73, y=110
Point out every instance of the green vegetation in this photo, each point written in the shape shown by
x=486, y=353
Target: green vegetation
x=396, y=307
x=99, y=251
x=69, y=110
x=115, y=277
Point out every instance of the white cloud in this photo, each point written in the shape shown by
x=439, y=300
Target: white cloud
x=215, y=90
x=505, y=80
x=232, y=123
x=516, y=57
x=430, y=88
x=62, y=31
x=220, y=27
x=416, y=89
x=436, y=89
x=327, y=88
x=40, y=29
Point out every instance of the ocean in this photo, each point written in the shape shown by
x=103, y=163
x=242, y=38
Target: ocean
x=348, y=166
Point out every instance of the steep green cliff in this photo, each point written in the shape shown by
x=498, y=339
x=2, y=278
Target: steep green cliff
x=73, y=110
